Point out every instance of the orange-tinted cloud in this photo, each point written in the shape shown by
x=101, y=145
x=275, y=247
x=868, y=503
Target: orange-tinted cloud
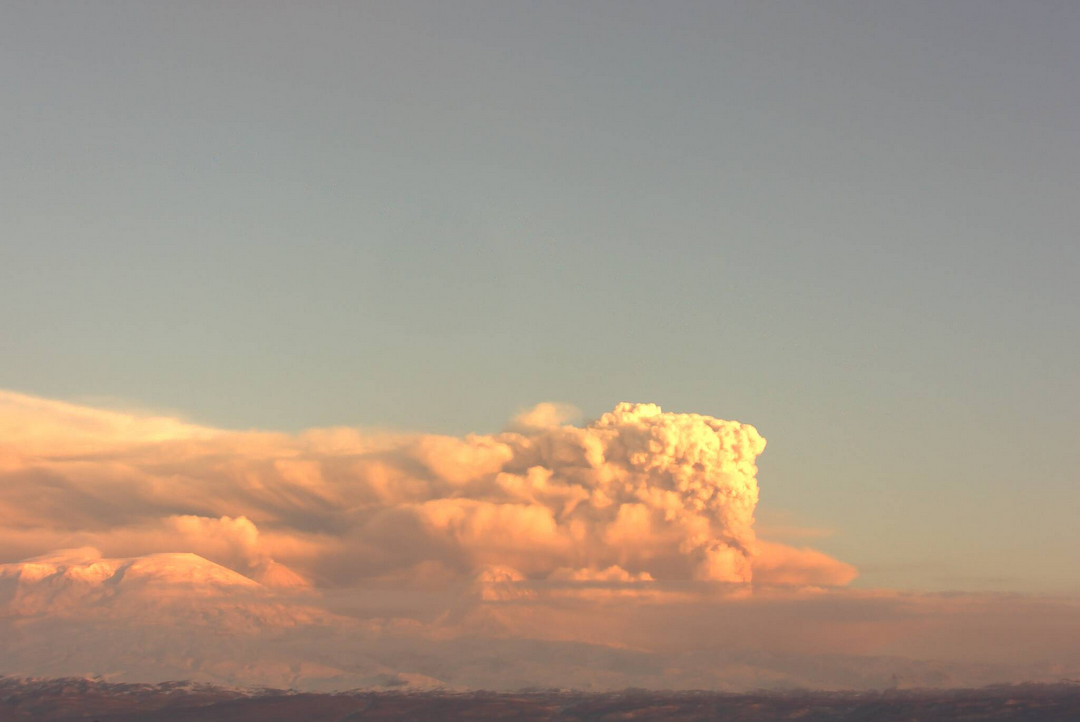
x=620, y=552
x=782, y=564
x=658, y=495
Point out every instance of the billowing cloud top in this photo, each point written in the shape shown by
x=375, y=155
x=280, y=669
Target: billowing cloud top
x=635, y=496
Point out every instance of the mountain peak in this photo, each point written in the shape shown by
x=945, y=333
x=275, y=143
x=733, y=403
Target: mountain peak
x=183, y=568
x=69, y=579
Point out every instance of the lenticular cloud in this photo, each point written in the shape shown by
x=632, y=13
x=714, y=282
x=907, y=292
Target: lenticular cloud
x=635, y=496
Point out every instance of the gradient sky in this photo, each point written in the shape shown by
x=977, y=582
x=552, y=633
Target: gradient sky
x=851, y=224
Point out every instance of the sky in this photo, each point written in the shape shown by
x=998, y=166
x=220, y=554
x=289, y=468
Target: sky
x=851, y=225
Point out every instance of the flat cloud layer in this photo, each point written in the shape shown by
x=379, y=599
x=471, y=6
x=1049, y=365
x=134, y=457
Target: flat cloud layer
x=621, y=552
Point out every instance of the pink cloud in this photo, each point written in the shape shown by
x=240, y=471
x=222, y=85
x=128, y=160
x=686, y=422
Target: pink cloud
x=660, y=495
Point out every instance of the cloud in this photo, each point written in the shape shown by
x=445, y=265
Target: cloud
x=624, y=547
x=776, y=563
x=62, y=429
x=660, y=495
x=544, y=416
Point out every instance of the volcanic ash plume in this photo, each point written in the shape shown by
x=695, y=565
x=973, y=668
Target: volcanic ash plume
x=636, y=496
x=670, y=495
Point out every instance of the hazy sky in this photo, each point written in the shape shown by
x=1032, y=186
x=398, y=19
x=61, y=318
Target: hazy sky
x=851, y=224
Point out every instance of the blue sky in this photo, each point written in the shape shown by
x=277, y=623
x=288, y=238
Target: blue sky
x=851, y=224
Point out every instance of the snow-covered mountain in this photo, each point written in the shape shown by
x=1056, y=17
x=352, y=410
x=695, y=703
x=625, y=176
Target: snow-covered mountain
x=78, y=584
x=155, y=618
